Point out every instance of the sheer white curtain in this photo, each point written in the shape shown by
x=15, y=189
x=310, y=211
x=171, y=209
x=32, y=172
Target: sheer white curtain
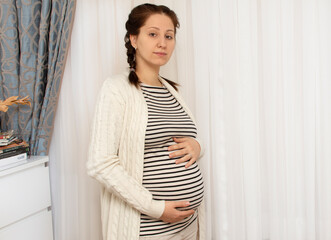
x=262, y=99
x=256, y=74
x=96, y=52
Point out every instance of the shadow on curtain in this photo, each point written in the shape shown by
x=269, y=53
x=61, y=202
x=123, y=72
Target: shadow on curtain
x=34, y=37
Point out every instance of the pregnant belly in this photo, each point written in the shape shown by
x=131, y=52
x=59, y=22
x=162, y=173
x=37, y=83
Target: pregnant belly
x=173, y=182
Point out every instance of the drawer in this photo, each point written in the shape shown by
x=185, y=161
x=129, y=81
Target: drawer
x=35, y=227
x=24, y=193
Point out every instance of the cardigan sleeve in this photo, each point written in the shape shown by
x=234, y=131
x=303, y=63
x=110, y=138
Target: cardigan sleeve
x=103, y=161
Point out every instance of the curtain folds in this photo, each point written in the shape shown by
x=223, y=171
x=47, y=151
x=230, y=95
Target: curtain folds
x=34, y=44
x=256, y=74
x=267, y=122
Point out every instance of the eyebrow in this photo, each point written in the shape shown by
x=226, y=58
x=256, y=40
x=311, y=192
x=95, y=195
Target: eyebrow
x=169, y=30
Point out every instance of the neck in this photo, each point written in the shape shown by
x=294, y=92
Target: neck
x=149, y=75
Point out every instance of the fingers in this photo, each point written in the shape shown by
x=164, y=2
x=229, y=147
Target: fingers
x=178, y=204
x=172, y=214
x=180, y=140
x=178, y=153
x=176, y=146
x=185, y=149
x=189, y=163
x=187, y=157
x=181, y=143
x=183, y=214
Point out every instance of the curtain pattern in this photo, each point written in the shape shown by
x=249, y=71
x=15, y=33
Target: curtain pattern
x=34, y=39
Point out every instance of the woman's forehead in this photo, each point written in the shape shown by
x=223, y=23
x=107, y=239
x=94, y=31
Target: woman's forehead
x=159, y=22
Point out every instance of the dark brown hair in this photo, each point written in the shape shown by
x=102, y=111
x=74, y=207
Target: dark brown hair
x=136, y=20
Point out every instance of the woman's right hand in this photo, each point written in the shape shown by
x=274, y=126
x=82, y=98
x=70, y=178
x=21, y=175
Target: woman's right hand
x=171, y=214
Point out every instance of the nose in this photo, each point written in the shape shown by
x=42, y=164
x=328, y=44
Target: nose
x=162, y=43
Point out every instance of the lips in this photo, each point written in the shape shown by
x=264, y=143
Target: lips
x=160, y=53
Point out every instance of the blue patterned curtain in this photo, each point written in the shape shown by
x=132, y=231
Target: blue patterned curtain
x=34, y=38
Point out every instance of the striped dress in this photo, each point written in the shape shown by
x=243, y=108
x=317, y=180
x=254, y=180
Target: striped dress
x=165, y=179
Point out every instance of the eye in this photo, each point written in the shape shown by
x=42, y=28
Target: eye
x=169, y=37
x=152, y=34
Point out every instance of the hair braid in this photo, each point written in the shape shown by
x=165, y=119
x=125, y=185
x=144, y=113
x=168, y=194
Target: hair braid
x=131, y=53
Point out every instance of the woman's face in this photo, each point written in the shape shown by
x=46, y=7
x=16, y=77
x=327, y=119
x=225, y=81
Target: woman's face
x=155, y=42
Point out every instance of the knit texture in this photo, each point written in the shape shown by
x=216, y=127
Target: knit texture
x=116, y=157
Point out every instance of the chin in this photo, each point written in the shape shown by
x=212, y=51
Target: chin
x=160, y=64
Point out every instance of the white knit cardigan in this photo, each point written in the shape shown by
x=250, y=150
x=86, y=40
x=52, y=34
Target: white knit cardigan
x=116, y=158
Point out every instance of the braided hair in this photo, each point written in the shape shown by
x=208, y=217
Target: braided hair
x=136, y=20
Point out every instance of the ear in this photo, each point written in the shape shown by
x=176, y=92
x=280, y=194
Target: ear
x=133, y=40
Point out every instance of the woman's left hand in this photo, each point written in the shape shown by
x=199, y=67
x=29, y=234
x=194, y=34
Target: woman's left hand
x=187, y=148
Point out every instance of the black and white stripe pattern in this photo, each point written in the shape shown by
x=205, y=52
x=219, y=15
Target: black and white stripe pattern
x=162, y=177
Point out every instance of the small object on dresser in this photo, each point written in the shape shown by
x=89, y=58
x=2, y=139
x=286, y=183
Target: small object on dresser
x=5, y=142
x=7, y=137
x=14, y=154
x=7, y=134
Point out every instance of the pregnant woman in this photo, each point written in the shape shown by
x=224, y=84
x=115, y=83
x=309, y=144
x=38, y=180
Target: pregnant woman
x=144, y=144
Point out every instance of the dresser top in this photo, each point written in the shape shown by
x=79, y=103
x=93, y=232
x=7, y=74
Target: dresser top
x=32, y=161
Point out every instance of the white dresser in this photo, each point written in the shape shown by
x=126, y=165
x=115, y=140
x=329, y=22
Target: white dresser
x=25, y=201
